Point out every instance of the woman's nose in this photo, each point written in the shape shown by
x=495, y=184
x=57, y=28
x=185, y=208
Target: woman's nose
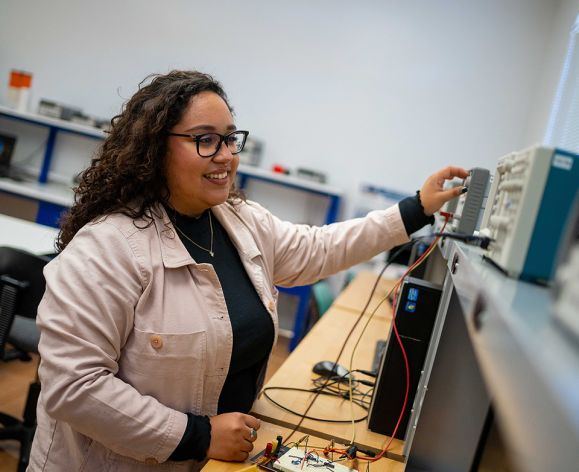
x=223, y=153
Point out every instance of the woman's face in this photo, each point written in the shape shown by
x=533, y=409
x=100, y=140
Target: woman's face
x=197, y=183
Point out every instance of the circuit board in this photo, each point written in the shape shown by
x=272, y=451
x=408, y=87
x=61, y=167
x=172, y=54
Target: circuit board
x=264, y=463
x=298, y=460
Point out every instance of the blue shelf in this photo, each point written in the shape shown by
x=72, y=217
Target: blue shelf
x=54, y=127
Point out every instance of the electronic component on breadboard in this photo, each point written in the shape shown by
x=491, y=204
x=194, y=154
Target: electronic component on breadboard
x=299, y=460
x=266, y=458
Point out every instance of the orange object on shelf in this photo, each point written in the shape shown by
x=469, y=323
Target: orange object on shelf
x=19, y=87
x=20, y=79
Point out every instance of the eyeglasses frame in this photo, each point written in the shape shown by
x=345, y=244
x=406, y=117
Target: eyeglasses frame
x=222, y=138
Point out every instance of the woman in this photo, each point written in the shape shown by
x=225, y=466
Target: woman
x=160, y=311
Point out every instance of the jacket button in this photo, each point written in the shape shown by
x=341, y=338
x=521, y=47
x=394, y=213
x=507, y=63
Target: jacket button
x=271, y=306
x=151, y=461
x=156, y=341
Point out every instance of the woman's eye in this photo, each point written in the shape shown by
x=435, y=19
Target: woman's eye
x=207, y=140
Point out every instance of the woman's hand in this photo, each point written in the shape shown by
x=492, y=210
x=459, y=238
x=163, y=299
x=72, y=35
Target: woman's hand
x=231, y=436
x=433, y=196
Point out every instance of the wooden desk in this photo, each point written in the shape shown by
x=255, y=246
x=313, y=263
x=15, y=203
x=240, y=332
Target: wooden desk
x=323, y=342
x=355, y=296
x=269, y=431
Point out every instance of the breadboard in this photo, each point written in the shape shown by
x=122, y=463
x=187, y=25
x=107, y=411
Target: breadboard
x=293, y=461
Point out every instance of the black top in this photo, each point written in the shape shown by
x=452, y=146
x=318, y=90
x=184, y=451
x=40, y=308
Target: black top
x=252, y=326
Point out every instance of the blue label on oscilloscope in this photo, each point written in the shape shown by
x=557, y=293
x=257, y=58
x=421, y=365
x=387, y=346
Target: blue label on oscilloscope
x=413, y=294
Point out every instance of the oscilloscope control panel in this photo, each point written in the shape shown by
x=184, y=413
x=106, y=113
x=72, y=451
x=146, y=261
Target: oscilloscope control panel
x=529, y=203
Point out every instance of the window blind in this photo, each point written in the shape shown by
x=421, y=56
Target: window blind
x=563, y=127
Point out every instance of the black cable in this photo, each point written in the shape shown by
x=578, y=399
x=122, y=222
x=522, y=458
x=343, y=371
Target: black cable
x=304, y=416
x=495, y=265
x=328, y=388
x=341, y=392
x=341, y=388
x=369, y=373
x=344, y=394
x=367, y=383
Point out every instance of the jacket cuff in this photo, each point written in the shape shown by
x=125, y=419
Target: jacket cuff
x=195, y=441
x=413, y=215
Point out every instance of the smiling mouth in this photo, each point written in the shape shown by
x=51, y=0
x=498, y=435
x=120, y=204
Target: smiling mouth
x=217, y=176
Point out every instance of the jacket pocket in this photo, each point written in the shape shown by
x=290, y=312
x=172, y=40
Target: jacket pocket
x=168, y=366
x=117, y=463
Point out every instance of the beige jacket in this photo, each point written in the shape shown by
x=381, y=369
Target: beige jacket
x=134, y=332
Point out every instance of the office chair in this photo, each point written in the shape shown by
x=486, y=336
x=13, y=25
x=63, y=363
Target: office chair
x=323, y=296
x=322, y=299
x=21, y=289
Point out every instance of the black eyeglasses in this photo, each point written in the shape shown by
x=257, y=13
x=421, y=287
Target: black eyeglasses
x=208, y=144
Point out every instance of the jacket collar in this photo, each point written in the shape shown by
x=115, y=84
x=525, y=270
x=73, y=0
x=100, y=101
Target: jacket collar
x=175, y=254
x=237, y=230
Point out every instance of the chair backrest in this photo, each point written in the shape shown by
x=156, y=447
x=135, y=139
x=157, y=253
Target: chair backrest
x=21, y=289
x=323, y=295
x=24, y=267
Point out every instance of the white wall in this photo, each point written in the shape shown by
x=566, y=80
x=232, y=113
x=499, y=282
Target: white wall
x=383, y=92
x=548, y=79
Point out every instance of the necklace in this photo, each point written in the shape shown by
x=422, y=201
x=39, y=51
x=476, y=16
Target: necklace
x=210, y=250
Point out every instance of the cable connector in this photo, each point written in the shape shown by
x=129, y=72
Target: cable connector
x=481, y=241
x=366, y=382
x=279, y=440
x=268, y=450
x=369, y=373
x=351, y=452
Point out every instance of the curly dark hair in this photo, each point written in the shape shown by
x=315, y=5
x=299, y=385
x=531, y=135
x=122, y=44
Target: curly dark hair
x=127, y=175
